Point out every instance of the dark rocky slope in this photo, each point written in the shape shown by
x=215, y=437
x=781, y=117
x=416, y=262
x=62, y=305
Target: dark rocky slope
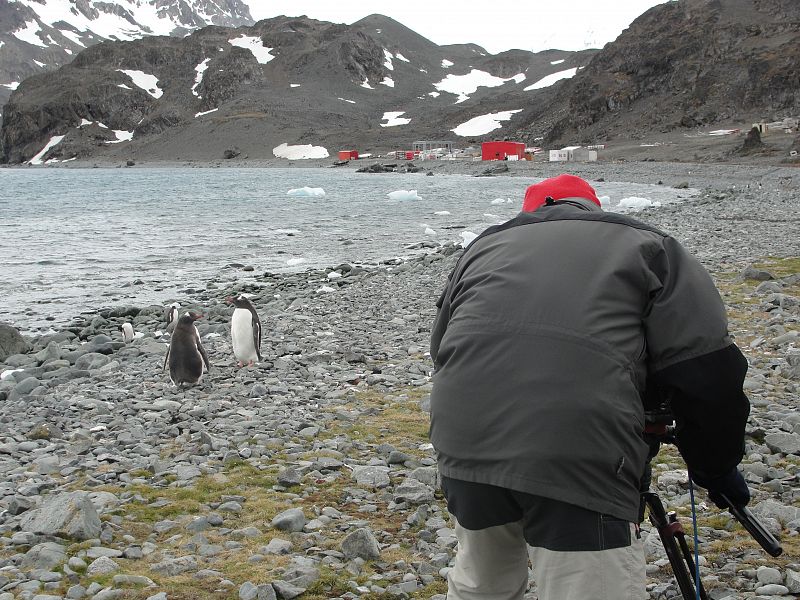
x=327, y=85
x=682, y=64
x=34, y=39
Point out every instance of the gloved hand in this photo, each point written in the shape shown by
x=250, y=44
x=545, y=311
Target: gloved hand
x=732, y=484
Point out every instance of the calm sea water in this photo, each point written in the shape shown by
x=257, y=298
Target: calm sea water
x=75, y=240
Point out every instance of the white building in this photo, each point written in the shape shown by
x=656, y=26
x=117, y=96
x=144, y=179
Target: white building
x=573, y=153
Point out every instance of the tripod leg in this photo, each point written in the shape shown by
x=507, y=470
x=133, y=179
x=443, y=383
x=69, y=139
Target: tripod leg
x=668, y=529
x=688, y=557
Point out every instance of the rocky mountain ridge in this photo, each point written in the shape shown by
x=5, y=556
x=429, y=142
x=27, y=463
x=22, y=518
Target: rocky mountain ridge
x=37, y=36
x=295, y=83
x=247, y=90
x=682, y=65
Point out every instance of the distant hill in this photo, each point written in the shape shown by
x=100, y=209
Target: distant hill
x=38, y=36
x=373, y=85
x=681, y=65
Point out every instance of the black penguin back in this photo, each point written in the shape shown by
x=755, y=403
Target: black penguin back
x=185, y=360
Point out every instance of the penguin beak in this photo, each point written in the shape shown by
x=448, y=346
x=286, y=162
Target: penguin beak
x=229, y=300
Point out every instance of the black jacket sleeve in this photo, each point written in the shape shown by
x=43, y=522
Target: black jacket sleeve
x=711, y=409
x=693, y=362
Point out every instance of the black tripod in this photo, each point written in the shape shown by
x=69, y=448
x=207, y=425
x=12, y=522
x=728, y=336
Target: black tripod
x=661, y=429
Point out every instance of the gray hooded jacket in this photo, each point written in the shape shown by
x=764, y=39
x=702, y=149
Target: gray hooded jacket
x=553, y=329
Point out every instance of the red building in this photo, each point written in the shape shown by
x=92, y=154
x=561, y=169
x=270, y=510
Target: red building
x=502, y=150
x=348, y=154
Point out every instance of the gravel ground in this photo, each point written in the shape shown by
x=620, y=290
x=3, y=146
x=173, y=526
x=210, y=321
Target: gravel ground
x=310, y=475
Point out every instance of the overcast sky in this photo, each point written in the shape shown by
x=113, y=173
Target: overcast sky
x=526, y=24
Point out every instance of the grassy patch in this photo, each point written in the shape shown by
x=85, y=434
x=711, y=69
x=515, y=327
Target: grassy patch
x=393, y=419
x=780, y=267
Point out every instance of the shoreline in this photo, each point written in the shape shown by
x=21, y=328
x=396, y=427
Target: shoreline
x=726, y=183
x=669, y=172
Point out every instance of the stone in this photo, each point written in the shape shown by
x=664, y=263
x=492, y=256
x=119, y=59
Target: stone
x=91, y=360
x=768, y=575
x=361, y=543
x=47, y=556
x=175, y=566
x=291, y=520
x=772, y=589
x=287, y=591
x=289, y=477
x=785, y=443
x=71, y=515
x=374, y=476
x=413, y=491
x=277, y=546
x=101, y=566
x=11, y=342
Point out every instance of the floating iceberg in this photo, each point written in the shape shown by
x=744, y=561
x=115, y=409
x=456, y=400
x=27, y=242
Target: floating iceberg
x=636, y=203
x=467, y=237
x=295, y=261
x=306, y=192
x=404, y=195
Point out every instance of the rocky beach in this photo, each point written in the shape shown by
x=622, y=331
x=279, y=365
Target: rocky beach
x=310, y=475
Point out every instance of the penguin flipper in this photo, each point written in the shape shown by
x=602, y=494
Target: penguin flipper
x=257, y=335
x=202, y=352
x=166, y=358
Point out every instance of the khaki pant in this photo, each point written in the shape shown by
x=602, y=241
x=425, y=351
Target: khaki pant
x=492, y=564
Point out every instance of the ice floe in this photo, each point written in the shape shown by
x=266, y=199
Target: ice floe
x=636, y=203
x=306, y=192
x=467, y=237
x=403, y=195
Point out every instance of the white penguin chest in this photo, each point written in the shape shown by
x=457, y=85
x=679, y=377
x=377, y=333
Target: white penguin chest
x=242, y=334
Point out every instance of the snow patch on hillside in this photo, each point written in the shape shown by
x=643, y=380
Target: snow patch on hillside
x=254, y=44
x=145, y=81
x=484, y=123
x=299, y=152
x=28, y=34
x=551, y=79
x=464, y=85
x=394, y=119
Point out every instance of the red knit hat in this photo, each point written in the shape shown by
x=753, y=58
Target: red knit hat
x=563, y=186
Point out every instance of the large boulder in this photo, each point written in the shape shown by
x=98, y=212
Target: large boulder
x=11, y=342
x=69, y=515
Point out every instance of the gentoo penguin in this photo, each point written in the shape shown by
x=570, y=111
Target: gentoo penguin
x=245, y=330
x=127, y=332
x=186, y=355
x=171, y=315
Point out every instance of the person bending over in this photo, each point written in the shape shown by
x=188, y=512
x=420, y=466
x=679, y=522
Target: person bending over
x=552, y=332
